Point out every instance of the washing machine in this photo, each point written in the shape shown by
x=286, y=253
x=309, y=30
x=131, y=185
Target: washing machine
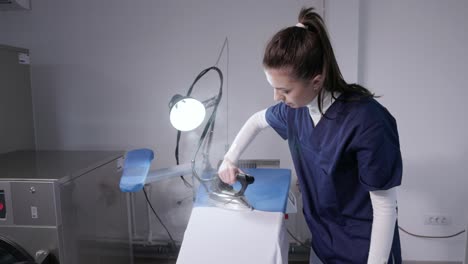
x=63, y=207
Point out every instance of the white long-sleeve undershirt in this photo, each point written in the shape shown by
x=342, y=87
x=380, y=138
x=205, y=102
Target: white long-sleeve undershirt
x=384, y=202
x=256, y=123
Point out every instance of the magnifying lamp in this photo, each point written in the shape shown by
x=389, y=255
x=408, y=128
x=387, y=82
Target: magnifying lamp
x=186, y=113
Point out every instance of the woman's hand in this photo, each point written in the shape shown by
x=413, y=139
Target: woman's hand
x=228, y=172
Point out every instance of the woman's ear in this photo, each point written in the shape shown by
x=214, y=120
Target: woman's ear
x=317, y=82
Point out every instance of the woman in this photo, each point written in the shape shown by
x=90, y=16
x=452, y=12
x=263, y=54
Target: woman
x=343, y=143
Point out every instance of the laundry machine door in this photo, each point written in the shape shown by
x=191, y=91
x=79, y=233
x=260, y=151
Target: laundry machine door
x=12, y=253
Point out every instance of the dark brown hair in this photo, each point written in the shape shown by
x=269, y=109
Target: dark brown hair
x=306, y=52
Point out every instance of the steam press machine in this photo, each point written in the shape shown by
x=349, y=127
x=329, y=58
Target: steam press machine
x=215, y=233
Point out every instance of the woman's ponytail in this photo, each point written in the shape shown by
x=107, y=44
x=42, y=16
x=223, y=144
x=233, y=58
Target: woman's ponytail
x=306, y=51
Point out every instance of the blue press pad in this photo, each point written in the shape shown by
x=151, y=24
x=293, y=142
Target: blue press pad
x=136, y=168
x=268, y=193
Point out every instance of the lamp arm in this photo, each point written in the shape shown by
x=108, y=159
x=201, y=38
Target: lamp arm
x=209, y=127
x=210, y=102
x=216, y=99
x=201, y=74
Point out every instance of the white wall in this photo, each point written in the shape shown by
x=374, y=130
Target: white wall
x=103, y=72
x=342, y=20
x=414, y=54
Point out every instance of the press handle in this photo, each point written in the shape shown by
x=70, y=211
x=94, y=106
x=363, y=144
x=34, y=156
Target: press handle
x=245, y=180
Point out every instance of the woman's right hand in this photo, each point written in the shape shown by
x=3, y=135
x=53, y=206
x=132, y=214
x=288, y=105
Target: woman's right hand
x=228, y=172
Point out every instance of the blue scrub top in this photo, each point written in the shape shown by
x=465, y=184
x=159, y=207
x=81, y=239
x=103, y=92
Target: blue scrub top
x=352, y=150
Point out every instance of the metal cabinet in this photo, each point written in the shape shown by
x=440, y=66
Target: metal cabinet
x=63, y=207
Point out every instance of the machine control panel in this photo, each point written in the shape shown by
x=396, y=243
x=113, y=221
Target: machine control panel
x=2, y=205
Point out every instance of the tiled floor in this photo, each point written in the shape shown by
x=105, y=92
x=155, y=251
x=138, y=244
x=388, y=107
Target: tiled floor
x=173, y=261
x=154, y=261
x=293, y=259
x=166, y=255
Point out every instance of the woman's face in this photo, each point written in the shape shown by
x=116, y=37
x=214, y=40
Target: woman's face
x=294, y=93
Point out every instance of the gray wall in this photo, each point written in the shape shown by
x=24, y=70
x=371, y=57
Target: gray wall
x=103, y=71
x=16, y=113
x=414, y=54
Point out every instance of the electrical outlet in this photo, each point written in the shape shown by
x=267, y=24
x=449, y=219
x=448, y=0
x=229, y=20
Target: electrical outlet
x=435, y=219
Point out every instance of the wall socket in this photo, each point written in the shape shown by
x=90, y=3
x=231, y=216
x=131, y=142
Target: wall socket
x=437, y=219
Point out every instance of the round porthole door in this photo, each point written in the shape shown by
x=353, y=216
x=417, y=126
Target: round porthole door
x=12, y=253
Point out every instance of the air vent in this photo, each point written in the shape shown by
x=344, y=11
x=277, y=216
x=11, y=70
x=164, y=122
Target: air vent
x=257, y=163
x=11, y=5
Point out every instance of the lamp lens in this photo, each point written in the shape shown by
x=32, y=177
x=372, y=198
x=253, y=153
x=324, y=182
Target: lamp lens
x=187, y=114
